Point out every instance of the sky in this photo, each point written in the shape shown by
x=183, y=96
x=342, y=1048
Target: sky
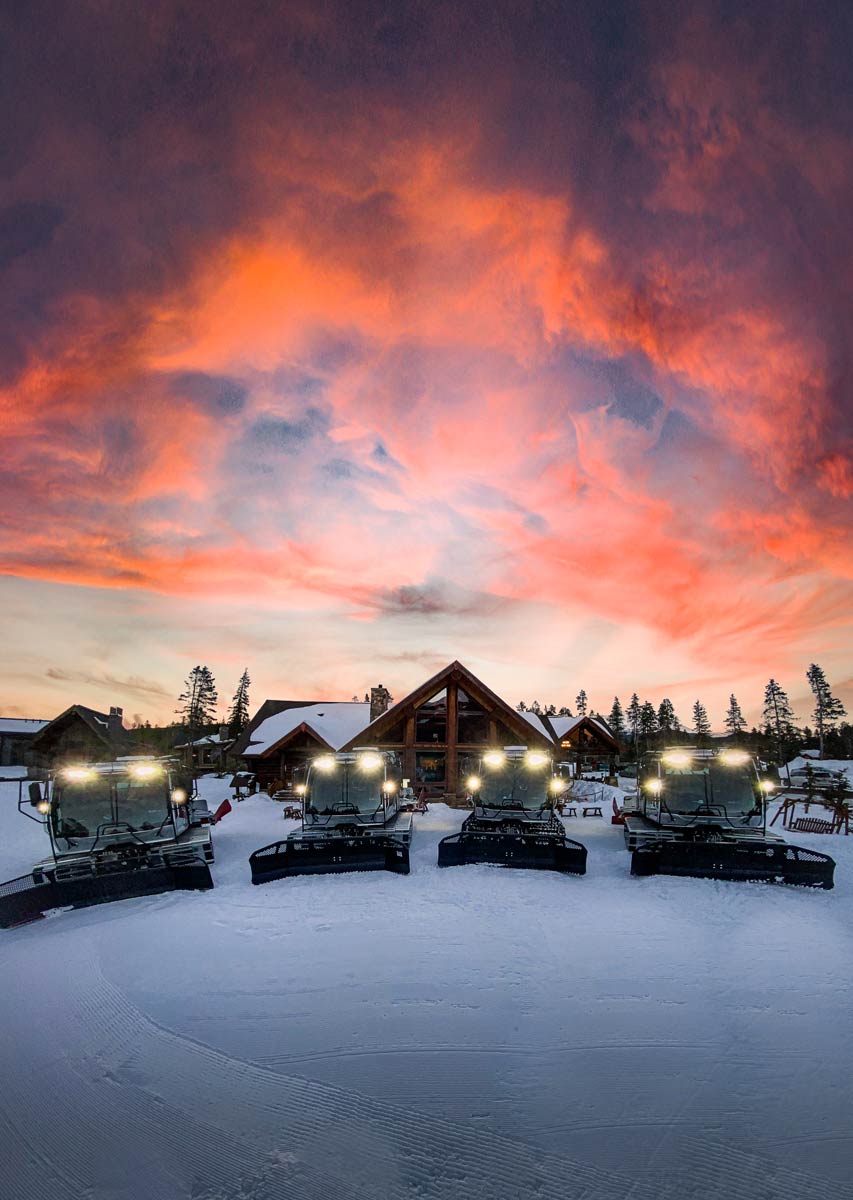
x=339, y=341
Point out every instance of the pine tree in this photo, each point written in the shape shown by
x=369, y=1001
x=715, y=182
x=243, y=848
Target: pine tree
x=535, y=708
x=197, y=702
x=565, y=711
x=616, y=720
x=634, y=719
x=238, y=717
x=828, y=710
x=521, y=706
x=648, y=721
x=778, y=718
x=580, y=703
x=734, y=721
x=701, y=724
x=668, y=722
x=551, y=710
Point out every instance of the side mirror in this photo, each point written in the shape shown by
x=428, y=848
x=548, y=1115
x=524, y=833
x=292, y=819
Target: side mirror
x=35, y=794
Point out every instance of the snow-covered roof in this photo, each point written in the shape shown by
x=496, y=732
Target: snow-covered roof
x=210, y=739
x=334, y=721
x=533, y=719
x=563, y=726
x=21, y=725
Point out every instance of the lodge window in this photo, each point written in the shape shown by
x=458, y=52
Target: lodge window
x=472, y=723
x=431, y=719
x=429, y=767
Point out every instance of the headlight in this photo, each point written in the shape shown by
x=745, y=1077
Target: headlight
x=78, y=774
x=734, y=758
x=535, y=758
x=370, y=762
x=179, y=796
x=653, y=785
x=325, y=763
x=144, y=770
x=767, y=786
x=389, y=787
x=557, y=785
x=300, y=789
x=677, y=758
x=494, y=758
x=43, y=807
x=473, y=783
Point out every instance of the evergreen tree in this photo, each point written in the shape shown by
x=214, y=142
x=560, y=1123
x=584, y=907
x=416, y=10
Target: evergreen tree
x=701, y=724
x=521, y=706
x=238, y=717
x=536, y=708
x=734, y=718
x=551, y=710
x=648, y=722
x=634, y=719
x=197, y=702
x=616, y=720
x=668, y=722
x=778, y=719
x=580, y=703
x=828, y=710
x=565, y=711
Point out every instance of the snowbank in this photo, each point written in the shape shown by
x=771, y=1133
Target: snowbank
x=466, y=1034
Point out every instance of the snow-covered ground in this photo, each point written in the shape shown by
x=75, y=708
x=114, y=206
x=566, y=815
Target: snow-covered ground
x=466, y=1033
x=821, y=764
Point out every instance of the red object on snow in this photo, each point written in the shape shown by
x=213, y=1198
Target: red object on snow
x=617, y=818
x=223, y=811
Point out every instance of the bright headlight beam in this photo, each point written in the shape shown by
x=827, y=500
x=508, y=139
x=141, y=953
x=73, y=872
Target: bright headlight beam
x=734, y=758
x=494, y=758
x=654, y=785
x=677, y=758
x=144, y=770
x=557, y=785
x=535, y=758
x=370, y=761
x=78, y=774
x=473, y=783
x=325, y=763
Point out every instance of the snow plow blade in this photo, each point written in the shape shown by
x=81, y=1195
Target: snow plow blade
x=327, y=856
x=532, y=851
x=23, y=899
x=773, y=862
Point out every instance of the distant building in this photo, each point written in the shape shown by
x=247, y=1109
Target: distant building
x=81, y=734
x=210, y=751
x=440, y=729
x=16, y=738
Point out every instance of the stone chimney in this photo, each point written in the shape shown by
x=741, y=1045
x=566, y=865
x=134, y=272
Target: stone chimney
x=223, y=733
x=380, y=701
x=115, y=725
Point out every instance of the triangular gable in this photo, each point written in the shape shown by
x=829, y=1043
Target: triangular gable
x=457, y=673
x=592, y=725
x=95, y=721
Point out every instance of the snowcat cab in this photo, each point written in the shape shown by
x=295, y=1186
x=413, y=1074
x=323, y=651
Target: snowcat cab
x=352, y=820
x=117, y=829
x=703, y=813
x=513, y=823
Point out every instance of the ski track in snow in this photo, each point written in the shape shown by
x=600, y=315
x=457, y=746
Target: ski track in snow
x=466, y=1033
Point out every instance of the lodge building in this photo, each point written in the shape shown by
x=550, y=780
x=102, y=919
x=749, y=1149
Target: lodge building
x=440, y=729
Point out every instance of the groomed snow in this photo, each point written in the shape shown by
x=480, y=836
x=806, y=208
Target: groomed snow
x=467, y=1034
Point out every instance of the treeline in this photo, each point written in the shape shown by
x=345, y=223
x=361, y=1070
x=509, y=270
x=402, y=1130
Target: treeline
x=642, y=726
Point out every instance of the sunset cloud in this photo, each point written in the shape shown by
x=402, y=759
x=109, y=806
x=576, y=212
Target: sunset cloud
x=386, y=322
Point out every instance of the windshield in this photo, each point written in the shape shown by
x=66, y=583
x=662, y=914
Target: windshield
x=345, y=788
x=81, y=807
x=515, y=785
x=709, y=785
x=142, y=804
